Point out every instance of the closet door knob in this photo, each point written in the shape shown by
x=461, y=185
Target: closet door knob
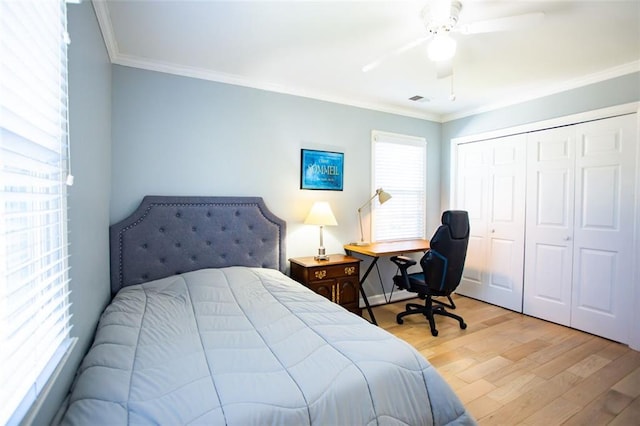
x=567, y=238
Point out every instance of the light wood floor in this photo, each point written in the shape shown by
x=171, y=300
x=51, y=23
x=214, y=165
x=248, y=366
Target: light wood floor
x=511, y=369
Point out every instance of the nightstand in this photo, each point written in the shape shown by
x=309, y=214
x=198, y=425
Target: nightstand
x=337, y=279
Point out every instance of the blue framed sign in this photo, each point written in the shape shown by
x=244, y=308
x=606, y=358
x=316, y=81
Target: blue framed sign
x=321, y=170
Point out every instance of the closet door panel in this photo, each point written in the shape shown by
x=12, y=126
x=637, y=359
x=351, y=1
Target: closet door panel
x=596, y=287
x=473, y=266
x=506, y=222
x=553, y=207
x=600, y=200
x=490, y=186
x=502, y=257
x=548, y=266
x=549, y=225
x=472, y=196
x=604, y=226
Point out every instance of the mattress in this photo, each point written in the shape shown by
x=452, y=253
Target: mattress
x=241, y=346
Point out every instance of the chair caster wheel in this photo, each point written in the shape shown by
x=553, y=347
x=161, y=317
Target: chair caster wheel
x=399, y=320
x=463, y=325
x=434, y=333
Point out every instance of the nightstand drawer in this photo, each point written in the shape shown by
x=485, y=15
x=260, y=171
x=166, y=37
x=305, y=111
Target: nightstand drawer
x=329, y=272
x=337, y=279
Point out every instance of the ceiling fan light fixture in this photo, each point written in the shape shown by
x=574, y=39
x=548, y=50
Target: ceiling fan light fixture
x=441, y=48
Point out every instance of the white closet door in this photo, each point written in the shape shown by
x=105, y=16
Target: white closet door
x=604, y=227
x=506, y=222
x=549, y=224
x=472, y=196
x=491, y=187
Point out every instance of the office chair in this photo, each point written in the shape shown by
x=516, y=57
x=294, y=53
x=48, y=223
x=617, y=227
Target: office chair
x=441, y=272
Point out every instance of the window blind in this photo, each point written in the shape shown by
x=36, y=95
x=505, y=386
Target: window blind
x=399, y=167
x=34, y=304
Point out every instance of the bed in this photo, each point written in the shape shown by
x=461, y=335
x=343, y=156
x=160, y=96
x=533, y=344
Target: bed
x=205, y=328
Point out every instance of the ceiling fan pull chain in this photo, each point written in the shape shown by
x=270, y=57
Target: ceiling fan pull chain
x=452, y=96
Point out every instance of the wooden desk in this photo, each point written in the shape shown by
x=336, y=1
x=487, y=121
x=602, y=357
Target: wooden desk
x=386, y=248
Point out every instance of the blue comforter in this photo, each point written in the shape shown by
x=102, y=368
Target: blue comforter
x=241, y=346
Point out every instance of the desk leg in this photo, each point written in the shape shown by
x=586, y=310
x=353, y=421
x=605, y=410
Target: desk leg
x=374, y=260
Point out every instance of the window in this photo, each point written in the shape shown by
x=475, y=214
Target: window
x=34, y=306
x=399, y=167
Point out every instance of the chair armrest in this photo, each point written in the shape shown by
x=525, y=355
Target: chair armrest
x=403, y=262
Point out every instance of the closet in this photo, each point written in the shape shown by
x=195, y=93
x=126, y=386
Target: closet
x=565, y=207
x=580, y=225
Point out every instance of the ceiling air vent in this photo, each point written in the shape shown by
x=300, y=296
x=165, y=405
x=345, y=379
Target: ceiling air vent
x=418, y=98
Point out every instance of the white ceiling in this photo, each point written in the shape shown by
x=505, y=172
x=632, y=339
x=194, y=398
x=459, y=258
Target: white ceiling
x=317, y=49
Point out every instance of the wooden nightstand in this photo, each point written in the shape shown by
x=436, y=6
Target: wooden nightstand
x=337, y=279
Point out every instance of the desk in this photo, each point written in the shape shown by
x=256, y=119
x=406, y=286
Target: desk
x=387, y=248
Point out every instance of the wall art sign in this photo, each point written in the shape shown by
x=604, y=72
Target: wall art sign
x=321, y=170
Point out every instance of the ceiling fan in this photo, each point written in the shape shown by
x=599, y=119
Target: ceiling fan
x=440, y=18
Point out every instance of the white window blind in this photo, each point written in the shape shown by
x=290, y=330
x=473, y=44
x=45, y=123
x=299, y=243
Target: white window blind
x=34, y=306
x=399, y=167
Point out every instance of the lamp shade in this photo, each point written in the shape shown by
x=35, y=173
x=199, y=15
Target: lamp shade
x=383, y=196
x=320, y=214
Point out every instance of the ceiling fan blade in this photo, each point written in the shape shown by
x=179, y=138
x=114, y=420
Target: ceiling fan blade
x=375, y=64
x=508, y=23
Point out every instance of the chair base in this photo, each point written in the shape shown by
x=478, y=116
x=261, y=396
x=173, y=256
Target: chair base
x=448, y=305
x=428, y=310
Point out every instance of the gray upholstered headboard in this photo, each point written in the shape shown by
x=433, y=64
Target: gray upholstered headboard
x=170, y=235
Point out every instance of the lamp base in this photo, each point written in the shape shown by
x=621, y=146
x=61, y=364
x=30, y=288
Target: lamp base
x=321, y=252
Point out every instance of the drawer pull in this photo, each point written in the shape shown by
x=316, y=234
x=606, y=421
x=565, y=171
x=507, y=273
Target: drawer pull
x=320, y=274
x=350, y=270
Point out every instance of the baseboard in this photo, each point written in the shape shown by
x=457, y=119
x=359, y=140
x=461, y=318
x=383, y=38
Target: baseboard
x=383, y=299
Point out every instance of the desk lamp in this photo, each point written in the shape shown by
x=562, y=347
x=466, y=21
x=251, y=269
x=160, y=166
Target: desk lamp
x=383, y=197
x=322, y=215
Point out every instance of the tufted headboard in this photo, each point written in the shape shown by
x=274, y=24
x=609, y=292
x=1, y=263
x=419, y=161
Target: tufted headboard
x=169, y=235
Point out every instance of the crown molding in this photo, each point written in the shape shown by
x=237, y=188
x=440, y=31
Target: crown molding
x=204, y=74
x=565, y=120
x=106, y=27
x=598, y=77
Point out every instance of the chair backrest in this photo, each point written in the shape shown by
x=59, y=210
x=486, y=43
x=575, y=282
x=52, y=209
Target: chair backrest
x=448, y=251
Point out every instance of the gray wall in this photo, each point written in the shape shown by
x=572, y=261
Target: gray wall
x=181, y=136
x=90, y=135
x=617, y=91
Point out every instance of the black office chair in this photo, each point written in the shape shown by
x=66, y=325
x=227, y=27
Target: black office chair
x=441, y=269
